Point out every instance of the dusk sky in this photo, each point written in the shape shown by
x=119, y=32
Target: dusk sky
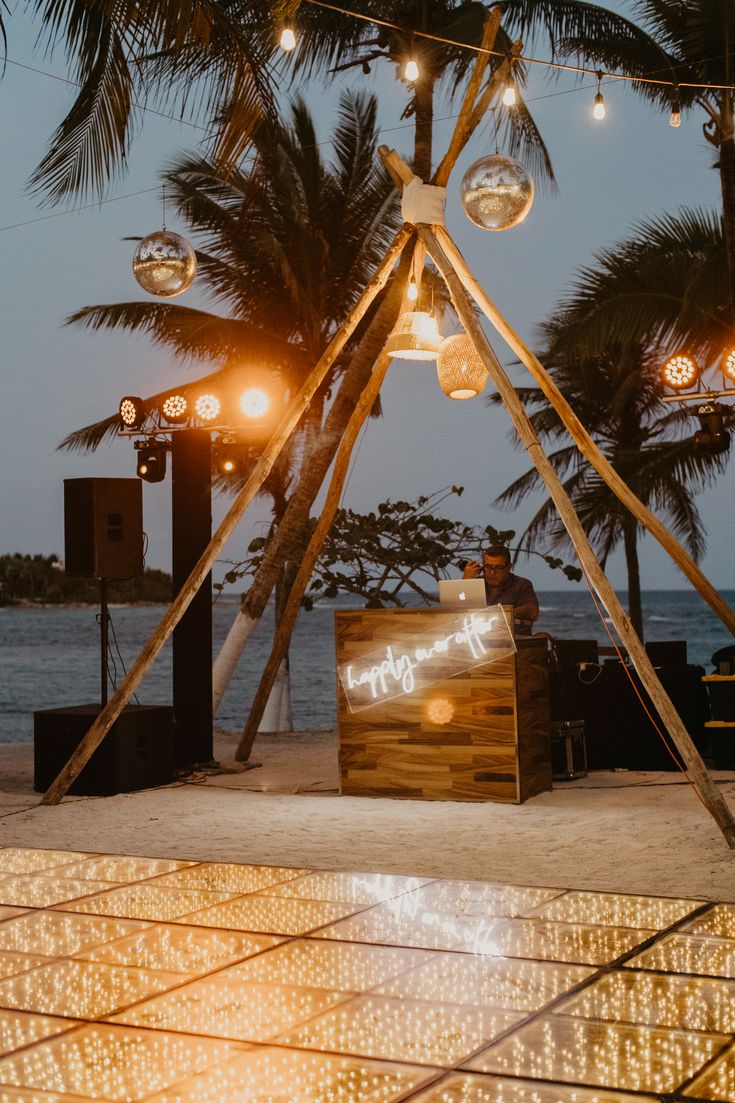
x=631, y=166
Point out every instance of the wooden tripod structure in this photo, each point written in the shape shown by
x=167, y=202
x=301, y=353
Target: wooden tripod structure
x=434, y=241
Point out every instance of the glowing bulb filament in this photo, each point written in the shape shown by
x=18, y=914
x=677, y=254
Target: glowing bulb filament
x=288, y=39
x=411, y=72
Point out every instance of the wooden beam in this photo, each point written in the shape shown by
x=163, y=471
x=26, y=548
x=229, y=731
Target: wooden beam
x=292, y=608
x=710, y=795
x=462, y=131
x=178, y=607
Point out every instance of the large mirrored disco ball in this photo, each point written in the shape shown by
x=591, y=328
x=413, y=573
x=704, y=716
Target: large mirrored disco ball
x=164, y=264
x=496, y=192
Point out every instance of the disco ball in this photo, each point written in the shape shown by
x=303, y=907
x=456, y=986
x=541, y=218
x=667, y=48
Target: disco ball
x=164, y=264
x=496, y=192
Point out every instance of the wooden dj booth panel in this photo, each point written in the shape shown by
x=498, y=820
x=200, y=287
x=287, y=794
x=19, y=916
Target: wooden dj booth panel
x=482, y=735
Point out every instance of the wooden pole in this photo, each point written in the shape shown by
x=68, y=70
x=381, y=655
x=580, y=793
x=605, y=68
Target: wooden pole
x=290, y=613
x=461, y=132
x=400, y=172
x=178, y=607
x=709, y=793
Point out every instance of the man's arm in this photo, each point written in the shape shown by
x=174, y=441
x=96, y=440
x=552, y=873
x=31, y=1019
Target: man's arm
x=526, y=605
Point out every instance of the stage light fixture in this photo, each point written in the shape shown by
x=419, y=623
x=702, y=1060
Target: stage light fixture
x=728, y=365
x=712, y=436
x=680, y=372
x=254, y=402
x=151, y=463
x=175, y=409
x=229, y=458
x=132, y=411
x=207, y=407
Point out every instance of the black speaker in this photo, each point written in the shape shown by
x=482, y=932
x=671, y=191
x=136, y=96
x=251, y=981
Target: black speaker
x=103, y=528
x=667, y=652
x=572, y=652
x=136, y=753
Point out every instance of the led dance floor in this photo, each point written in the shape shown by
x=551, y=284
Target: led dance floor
x=200, y=982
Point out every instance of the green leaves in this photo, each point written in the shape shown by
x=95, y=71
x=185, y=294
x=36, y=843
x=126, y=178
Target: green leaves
x=393, y=551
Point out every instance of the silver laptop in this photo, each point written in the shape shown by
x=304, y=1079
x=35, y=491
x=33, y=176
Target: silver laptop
x=462, y=593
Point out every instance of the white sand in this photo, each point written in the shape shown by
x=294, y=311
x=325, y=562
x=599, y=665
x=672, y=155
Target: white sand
x=627, y=832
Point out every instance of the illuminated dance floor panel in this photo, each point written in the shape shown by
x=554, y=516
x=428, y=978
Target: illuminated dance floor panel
x=137, y=979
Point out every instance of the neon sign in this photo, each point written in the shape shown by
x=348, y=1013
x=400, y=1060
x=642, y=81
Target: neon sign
x=454, y=646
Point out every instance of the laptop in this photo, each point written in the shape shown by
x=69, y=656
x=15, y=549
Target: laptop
x=462, y=593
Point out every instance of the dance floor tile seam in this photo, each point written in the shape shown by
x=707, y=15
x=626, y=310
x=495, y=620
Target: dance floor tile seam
x=357, y=987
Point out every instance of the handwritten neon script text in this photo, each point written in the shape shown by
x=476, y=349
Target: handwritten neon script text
x=401, y=668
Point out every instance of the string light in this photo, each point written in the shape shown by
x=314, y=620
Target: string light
x=598, y=111
x=287, y=40
x=509, y=92
x=675, y=116
x=411, y=71
x=412, y=292
x=639, y=79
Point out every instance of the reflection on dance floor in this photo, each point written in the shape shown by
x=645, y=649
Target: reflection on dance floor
x=131, y=979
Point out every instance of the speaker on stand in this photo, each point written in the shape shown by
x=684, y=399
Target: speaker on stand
x=103, y=539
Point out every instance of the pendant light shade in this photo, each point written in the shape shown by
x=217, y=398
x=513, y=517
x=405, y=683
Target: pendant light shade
x=416, y=337
x=461, y=372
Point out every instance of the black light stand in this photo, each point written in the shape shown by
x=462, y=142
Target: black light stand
x=191, y=525
x=104, y=641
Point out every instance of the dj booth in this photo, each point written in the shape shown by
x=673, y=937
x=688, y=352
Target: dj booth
x=604, y=694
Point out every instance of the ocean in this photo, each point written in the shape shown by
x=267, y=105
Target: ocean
x=49, y=657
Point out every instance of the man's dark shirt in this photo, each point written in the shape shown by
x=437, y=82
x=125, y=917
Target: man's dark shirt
x=513, y=591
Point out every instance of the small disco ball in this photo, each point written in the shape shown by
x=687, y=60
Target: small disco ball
x=496, y=192
x=164, y=264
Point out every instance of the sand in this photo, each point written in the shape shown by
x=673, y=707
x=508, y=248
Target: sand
x=621, y=831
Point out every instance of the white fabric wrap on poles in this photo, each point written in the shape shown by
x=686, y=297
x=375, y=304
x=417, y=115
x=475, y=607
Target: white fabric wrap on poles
x=422, y=202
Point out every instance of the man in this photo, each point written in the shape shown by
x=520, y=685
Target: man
x=504, y=588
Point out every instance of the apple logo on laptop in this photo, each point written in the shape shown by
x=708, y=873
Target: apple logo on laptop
x=463, y=596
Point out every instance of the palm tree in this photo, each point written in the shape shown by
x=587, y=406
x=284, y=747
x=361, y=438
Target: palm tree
x=287, y=247
x=217, y=58
x=205, y=56
x=641, y=300
x=686, y=42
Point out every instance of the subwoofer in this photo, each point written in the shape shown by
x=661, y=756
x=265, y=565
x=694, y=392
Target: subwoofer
x=103, y=528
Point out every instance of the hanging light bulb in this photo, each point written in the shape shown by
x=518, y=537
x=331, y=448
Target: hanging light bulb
x=675, y=116
x=509, y=92
x=461, y=372
x=288, y=38
x=416, y=337
x=599, y=111
x=412, y=291
x=411, y=71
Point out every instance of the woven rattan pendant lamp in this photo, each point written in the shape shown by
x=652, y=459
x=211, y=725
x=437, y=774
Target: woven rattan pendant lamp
x=416, y=337
x=461, y=372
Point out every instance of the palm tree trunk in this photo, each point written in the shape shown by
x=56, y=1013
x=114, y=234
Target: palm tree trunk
x=292, y=525
x=727, y=182
x=635, y=606
x=424, y=112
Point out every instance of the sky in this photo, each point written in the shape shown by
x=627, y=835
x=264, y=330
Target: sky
x=612, y=174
